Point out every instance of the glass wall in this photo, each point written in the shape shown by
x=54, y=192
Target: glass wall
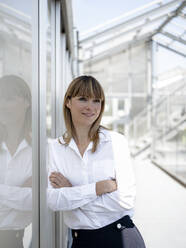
x=125, y=78
x=15, y=124
x=169, y=124
x=160, y=127
x=35, y=69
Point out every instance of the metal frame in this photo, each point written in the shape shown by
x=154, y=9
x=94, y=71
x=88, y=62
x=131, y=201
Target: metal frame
x=60, y=40
x=56, y=29
x=173, y=37
x=40, y=227
x=120, y=18
x=149, y=80
x=63, y=76
x=68, y=23
x=171, y=49
x=118, y=49
x=39, y=126
x=134, y=29
x=171, y=16
x=35, y=127
x=60, y=73
x=53, y=67
x=75, y=67
x=44, y=241
x=129, y=22
x=59, y=88
x=102, y=37
x=153, y=80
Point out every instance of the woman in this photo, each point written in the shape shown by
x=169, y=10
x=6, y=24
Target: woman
x=15, y=160
x=91, y=176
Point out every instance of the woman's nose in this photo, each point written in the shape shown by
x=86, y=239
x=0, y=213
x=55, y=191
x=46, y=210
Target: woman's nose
x=89, y=104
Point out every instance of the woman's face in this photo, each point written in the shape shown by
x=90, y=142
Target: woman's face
x=84, y=110
x=12, y=109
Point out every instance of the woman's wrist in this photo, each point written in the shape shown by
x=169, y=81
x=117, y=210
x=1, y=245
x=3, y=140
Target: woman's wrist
x=105, y=186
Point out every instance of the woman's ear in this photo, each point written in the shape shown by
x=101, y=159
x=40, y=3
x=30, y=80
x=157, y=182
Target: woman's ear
x=68, y=105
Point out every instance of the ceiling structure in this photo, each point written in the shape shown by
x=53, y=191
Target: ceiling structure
x=161, y=21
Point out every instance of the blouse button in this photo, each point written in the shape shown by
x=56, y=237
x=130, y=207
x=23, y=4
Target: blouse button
x=75, y=234
x=118, y=226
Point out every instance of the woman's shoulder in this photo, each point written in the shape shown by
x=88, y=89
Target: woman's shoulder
x=59, y=141
x=111, y=134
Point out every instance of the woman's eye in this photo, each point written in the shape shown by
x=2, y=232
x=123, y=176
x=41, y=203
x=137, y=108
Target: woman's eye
x=82, y=99
x=97, y=100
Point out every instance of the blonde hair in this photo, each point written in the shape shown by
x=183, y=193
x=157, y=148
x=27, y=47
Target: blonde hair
x=86, y=86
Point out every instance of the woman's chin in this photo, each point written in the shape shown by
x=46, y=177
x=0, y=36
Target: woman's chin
x=85, y=124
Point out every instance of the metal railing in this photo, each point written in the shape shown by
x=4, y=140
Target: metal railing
x=161, y=127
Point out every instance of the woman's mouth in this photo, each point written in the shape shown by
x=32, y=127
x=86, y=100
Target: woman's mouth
x=88, y=114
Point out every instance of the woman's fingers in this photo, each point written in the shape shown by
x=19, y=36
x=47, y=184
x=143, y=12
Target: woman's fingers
x=113, y=185
x=55, y=180
x=57, y=175
x=54, y=177
x=54, y=185
x=59, y=180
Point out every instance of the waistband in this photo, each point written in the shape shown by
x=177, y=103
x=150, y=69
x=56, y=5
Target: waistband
x=124, y=222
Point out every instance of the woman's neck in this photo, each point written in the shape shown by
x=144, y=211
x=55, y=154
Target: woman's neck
x=14, y=138
x=82, y=136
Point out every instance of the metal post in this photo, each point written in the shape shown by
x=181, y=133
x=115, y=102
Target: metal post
x=153, y=116
x=149, y=83
x=35, y=124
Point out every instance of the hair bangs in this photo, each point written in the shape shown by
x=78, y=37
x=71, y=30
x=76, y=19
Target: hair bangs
x=88, y=88
x=11, y=86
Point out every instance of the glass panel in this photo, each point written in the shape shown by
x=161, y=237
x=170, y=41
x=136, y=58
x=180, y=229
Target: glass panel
x=49, y=90
x=15, y=124
x=170, y=114
x=122, y=74
x=168, y=65
x=49, y=215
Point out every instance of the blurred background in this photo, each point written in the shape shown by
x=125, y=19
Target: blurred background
x=137, y=51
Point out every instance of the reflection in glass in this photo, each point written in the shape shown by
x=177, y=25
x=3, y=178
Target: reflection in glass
x=15, y=160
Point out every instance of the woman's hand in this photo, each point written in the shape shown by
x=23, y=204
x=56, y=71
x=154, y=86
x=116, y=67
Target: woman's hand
x=106, y=186
x=58, y=180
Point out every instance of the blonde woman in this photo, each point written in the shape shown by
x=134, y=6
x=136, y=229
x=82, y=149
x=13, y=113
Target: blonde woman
x=90, y=173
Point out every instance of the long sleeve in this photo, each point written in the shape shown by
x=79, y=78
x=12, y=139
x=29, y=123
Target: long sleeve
x=70, y=198
x=67, y=198
x=124, y=197
x=15, y=197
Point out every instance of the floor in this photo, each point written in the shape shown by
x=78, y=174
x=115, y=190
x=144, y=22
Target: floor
x=160, y=212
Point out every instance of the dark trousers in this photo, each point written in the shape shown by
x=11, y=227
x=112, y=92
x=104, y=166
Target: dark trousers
x=120, y=234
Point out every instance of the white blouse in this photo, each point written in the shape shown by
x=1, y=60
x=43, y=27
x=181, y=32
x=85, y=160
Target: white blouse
x=83, y=209
x=15, y=200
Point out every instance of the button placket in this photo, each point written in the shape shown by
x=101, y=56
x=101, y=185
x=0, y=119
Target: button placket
x=84, y=168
